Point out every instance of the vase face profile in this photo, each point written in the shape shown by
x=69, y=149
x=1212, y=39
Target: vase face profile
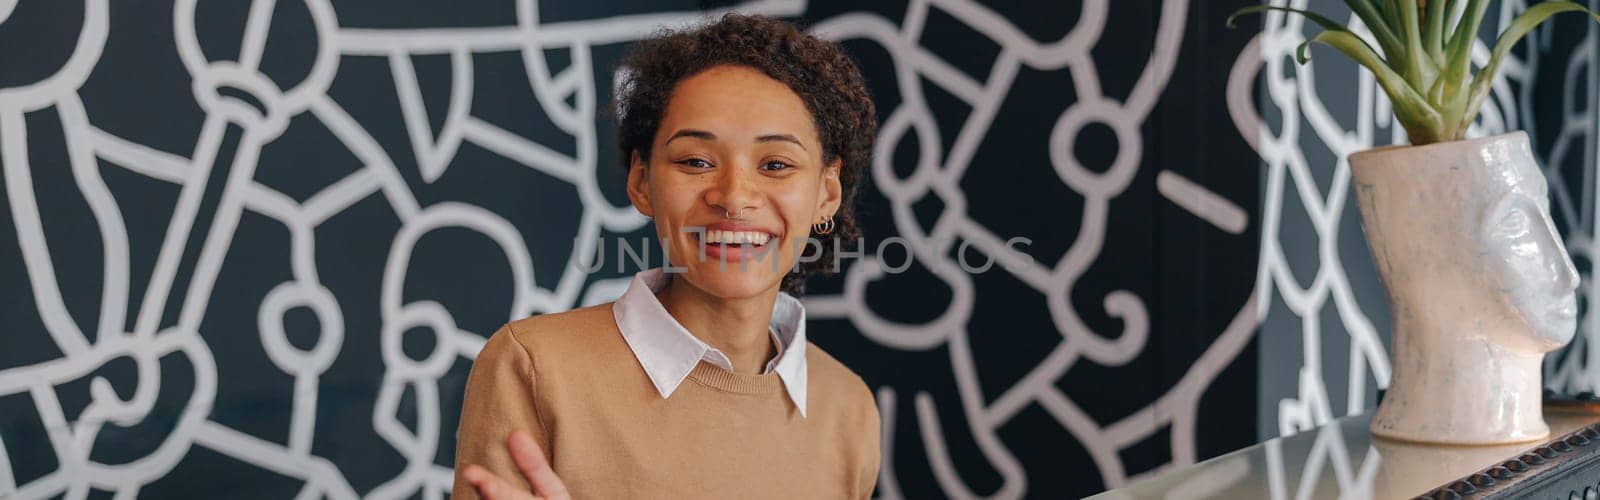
x=1529, y=262
x=1480, y=286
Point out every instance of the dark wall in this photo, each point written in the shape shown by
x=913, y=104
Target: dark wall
x=255, y=246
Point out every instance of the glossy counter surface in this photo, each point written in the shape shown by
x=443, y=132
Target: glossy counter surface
x=1337, y=460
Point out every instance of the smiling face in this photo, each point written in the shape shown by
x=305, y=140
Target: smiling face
x=734, y=181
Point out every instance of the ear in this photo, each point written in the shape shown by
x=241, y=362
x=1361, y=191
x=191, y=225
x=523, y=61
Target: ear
x=831, y=192
x=639, y=185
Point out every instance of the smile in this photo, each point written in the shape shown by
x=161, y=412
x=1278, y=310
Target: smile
x=717, y=237
x=723, y=245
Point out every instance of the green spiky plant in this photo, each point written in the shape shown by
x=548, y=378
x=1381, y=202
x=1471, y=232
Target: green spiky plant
x=1425, y=65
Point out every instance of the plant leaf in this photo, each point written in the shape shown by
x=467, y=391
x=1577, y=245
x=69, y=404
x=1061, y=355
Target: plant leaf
x=1458, y=54
x=1391, y=46
x=1420, y=119
x=1324, y=22
x=1397, y=17
x=1389, y=12
x=1433, y=38
x=1380, y=28
x=1418, y=66
x=1536, y=14
x=1378, y=7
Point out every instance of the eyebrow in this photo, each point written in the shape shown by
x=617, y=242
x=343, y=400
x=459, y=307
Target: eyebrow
x=689, y=132
x=708, y=136
x=781, y=138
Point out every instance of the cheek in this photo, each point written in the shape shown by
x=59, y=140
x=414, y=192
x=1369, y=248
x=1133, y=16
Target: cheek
x=672, y=198
x=797, y=205
x=1514, y=267
x=1530, y=263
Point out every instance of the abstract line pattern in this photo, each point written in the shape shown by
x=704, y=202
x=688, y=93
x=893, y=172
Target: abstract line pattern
x=940, y=172
x=247, y=109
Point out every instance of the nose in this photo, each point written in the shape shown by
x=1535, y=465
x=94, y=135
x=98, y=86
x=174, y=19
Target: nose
x=1567, y=279
x=734, y=192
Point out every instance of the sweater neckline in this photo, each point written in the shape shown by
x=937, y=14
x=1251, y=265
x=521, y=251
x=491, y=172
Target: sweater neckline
x=741, y=383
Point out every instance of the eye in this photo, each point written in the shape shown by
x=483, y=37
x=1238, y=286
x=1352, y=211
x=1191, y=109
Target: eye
x=775, y=166
x=1514, y=223
x=695, y=163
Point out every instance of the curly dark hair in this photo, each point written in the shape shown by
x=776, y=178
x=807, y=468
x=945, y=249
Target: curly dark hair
x=817, y=70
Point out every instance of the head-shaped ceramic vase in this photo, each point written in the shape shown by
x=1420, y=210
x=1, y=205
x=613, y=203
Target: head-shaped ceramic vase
x=1480, y=286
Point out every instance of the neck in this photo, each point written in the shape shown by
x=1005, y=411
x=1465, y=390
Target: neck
x=737, y=327
x=1461, y=382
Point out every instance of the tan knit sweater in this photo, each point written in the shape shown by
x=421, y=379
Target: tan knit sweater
x=570, y=380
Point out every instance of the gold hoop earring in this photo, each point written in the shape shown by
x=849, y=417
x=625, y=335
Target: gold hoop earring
x=825, y=227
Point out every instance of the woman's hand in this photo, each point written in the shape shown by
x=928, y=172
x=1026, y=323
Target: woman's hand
x=530, y=460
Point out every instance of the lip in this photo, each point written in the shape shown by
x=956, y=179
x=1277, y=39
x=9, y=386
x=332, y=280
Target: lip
x=1567, y=308
x=734, y=253
x=1564, y=311
x=729, y=226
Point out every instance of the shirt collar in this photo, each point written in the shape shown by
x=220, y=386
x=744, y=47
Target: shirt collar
x=668, y=352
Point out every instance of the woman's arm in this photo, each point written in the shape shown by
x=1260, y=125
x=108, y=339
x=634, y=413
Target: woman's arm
x=500, y=400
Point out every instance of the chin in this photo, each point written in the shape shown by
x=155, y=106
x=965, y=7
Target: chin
x=733, y=283
x=1551, y=318
x=1559, y=330
x=1554, y=329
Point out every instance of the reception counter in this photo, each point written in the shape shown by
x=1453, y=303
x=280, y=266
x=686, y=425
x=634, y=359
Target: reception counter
x=1342, y=460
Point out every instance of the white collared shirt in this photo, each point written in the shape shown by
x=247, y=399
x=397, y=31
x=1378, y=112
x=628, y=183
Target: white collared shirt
x=668, y=352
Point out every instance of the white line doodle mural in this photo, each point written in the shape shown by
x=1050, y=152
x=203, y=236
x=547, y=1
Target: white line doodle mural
x=247, y=109
x=1571, y=143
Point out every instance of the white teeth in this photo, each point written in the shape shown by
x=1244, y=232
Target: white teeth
x=737, y=237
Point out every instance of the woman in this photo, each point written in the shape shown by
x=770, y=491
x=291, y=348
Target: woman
x=744, y=138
